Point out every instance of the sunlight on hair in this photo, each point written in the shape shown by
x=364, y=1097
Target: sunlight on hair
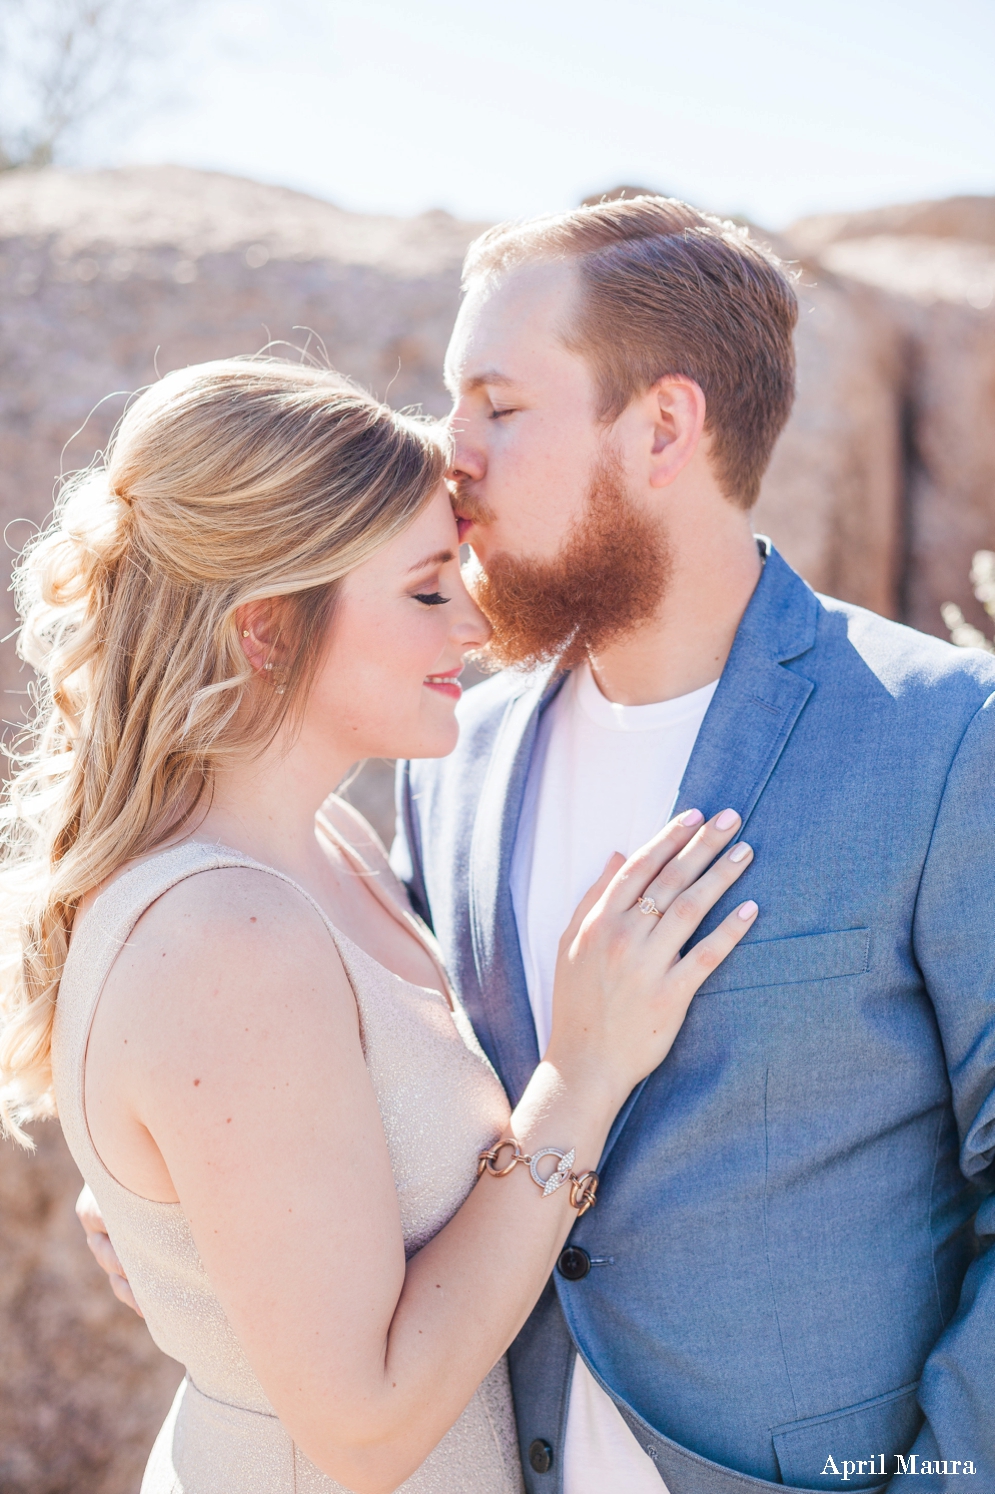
x=226, y=483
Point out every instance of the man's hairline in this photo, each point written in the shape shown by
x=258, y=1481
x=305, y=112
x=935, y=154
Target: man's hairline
x=496, y=276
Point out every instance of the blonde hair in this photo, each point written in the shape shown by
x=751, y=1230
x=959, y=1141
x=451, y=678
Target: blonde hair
x=225, y=484
x=666, y=289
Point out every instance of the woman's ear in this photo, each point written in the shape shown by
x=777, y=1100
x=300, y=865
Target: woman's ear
x=259, y=633
x=678, y=415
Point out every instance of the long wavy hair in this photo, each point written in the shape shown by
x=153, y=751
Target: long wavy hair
x=225, y=483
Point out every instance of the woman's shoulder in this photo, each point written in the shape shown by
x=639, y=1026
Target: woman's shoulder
x=205, y=924
x=229, y=940
x=219, y=900
x=196, y=881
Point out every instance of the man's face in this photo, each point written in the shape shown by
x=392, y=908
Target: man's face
x=570, y=562
x=524, y=421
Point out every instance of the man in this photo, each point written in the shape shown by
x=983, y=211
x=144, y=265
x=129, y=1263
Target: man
x=785, y=1279
x=779, y=1283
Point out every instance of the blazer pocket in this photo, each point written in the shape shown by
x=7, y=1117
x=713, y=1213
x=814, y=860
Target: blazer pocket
x=868, y=1434
x=785, y=962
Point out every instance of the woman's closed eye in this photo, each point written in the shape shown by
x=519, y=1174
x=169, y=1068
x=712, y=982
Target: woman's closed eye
x=497, y=414
x=431, y=598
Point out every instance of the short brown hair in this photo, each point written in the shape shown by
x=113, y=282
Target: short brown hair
x=670, y=290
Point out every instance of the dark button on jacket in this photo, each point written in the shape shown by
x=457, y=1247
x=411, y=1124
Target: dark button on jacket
x=574, y=1263
x=541, y=1455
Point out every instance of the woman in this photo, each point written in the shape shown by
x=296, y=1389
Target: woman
x=258, y=1062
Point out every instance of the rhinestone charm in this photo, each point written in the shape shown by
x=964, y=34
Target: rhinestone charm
x=559, y=1177
x=583, y=1189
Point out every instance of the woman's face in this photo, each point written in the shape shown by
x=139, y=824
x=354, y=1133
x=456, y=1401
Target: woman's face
x=387, y=684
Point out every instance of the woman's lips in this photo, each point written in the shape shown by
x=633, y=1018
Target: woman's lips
x=446, y=684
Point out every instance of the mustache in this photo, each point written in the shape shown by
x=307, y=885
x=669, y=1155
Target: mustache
x=465, y=503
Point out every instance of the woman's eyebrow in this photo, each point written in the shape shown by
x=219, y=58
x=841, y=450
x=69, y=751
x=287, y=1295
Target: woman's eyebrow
x=439, y=558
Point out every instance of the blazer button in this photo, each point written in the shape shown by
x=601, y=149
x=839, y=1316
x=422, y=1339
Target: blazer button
x=541, y=1455
x=574, y=1263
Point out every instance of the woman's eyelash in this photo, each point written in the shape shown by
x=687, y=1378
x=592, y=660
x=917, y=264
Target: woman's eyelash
x=496, y=414
x=431, y=598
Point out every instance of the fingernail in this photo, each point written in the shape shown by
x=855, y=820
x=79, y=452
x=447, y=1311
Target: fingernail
x=747, y=911
x=692, y=817
x=739, y=852
x=726, y=819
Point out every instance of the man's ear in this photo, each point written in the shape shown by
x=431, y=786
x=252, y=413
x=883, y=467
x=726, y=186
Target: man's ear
x=258, y=625
x=676, y=407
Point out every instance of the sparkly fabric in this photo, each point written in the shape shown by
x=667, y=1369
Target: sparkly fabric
x=441, y=1103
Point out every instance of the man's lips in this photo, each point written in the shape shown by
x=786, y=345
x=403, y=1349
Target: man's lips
x=462, y=525
x=446, y=684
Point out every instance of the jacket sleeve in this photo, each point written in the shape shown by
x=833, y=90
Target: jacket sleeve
x=954, y=941
x=405, y=853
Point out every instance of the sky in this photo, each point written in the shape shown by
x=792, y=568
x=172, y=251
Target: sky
x=762, y=108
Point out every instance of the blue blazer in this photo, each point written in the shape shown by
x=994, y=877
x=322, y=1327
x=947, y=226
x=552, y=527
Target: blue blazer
x=790, y=1265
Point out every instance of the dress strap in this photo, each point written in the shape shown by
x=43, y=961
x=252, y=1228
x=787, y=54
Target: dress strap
x=97, y=939
x=408, y=920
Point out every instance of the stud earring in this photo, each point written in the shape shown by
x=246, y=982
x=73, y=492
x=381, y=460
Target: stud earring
x=245, y=632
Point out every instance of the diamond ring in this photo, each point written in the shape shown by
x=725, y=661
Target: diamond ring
x=647, y=905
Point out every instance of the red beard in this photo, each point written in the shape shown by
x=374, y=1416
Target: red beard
x=607, y=579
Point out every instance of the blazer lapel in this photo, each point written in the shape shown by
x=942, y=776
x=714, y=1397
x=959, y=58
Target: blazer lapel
x=752, y=713
x=506, y=1031
x=754, y=710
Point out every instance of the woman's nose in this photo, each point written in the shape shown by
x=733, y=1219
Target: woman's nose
x=471, y=628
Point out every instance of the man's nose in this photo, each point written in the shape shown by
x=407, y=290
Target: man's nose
x=468, y=461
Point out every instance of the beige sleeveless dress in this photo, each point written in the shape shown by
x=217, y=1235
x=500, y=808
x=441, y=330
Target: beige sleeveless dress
x=441, y=1103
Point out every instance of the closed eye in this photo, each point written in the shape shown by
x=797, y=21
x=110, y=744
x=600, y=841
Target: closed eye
x=497, y=414
x=431, y=598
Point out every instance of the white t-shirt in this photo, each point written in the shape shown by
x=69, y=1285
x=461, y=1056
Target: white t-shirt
x=603, y=778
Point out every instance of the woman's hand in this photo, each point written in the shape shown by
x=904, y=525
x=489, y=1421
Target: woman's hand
x=622, y=989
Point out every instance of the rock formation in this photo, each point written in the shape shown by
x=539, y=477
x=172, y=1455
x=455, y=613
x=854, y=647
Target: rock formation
x=931, y=267
x=82, y=1386
x=881, y=488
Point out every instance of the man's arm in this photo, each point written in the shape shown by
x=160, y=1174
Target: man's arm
x=954, y=940
x=89, y=1215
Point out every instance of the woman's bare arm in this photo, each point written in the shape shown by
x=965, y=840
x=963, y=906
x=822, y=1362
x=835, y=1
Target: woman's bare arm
x=244, y=1064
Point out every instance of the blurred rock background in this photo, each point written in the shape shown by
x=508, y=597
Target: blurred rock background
x=881, y=489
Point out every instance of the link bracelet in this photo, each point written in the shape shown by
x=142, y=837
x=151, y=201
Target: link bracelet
x=583, y=1189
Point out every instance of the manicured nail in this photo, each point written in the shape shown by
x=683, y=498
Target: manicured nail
x=726, y=819
x=739, y=851
x=692, y=817
x=747, y=911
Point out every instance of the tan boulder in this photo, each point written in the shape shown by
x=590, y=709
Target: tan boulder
x=108, y=277
x=964, y=218
x=831, y=498
x=941, y=293
x=82, y=1386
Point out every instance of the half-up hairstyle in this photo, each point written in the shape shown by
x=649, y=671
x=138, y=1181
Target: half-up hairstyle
x=225, y=484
